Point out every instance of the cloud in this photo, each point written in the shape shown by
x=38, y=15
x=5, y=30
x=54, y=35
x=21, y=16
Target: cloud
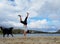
x=44, y=13
x=34, y=7
x=11, y=24
x=56, y=23
x=38, y=24
x=51, y=10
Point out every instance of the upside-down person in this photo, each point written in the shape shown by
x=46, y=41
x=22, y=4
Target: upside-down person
x=24, y=23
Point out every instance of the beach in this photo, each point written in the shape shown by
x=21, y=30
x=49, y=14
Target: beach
x=31, y=40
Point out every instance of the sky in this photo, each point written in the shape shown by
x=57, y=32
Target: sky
x=44, y=15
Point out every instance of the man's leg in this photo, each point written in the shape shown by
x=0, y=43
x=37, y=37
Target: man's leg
x=3, y=35
x=25, y=21
x=21, y=19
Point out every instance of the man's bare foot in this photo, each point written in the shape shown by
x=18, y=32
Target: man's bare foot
x=27, y=14
x=19, y=15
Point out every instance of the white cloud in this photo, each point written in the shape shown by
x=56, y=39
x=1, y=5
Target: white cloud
x=54, y=17
x=35, y=6
x=44, y=9
x=50, y=7
x=38, y=24
x=56, y=23
x=11, y=24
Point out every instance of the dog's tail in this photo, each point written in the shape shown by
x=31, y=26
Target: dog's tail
x=1, y=28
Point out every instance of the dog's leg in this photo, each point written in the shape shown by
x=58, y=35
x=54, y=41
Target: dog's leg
x=3, y=35
x=11, y=34
x=7, y=35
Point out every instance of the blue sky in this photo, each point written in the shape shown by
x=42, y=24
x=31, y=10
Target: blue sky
x=43, y=13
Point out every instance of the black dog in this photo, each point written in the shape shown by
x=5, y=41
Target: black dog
x=6, y=31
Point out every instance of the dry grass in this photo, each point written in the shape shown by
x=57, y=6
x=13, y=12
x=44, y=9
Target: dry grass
x=31, y=40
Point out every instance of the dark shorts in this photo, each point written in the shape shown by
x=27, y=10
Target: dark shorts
x=25, y=23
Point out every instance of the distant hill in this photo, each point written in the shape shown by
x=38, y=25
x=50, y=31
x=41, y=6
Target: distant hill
x=58, y=31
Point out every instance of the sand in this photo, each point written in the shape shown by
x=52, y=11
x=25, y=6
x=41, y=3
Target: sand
x=31, y=40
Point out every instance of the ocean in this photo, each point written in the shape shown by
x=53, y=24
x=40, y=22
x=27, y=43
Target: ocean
x=31, y=35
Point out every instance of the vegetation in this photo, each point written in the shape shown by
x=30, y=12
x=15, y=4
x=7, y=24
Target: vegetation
x=58, y=32
x=20, y=31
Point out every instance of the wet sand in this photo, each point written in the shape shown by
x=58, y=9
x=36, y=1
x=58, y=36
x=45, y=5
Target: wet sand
x=31, y=40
